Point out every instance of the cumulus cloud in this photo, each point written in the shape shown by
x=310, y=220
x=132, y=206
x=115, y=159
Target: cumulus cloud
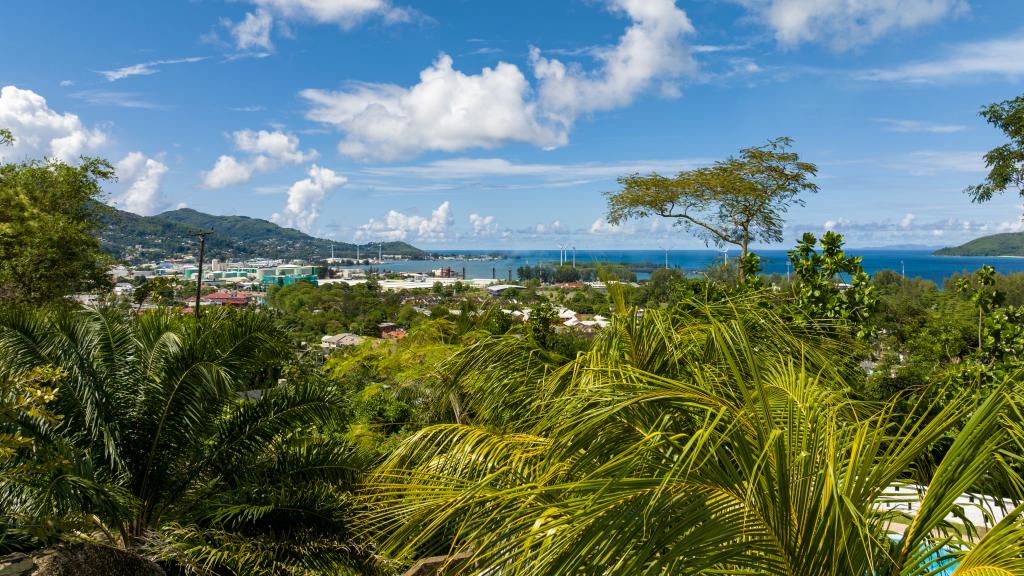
x=1001, y=57
x=554, y=228
x=306, y=196
x=272, y=146
x=265, y=151
x=397, y=226
x=651, y=49
x=601, y=226
x=142, y=176
x=227, y=172
x=449, y=110
x=483, y=225
x=253, y=31
x=145, y=68
x=843, y=24
x=909, y=228
x=39, y=130
x=344, y=13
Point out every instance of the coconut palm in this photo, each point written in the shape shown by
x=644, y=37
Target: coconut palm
x=176, y=440
x=713, y=439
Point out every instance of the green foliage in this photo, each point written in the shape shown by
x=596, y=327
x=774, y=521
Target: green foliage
x=582, y=272
x=714, y=439
x=48, y=228
x=820, y=294
x=541, y=325
x=736, y=201
x=309, y=312
x=156, y=449
x=1005, y=162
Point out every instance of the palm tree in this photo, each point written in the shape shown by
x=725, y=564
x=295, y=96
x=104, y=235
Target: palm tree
x=176, y=440
x=715, y=439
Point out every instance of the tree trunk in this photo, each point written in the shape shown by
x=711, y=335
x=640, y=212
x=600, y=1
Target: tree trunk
x=743, y=255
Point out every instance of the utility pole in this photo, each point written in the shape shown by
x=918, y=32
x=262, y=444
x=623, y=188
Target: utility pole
x=199, y=279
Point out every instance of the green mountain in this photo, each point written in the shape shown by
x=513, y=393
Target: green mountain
x=172, y=234
x=1009, y=244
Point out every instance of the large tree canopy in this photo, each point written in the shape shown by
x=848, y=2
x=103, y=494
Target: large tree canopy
x=48, y=226
x=734, y=201
x=1005, y=163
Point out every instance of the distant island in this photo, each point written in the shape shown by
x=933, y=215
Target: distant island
x=135, y=238
x=1007, y=244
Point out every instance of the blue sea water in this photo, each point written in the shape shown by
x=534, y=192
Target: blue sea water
x=916, y=263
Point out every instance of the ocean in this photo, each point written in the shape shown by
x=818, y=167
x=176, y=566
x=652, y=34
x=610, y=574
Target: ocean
x=916, y=263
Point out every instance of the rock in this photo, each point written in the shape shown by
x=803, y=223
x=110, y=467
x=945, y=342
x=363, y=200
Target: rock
x=78, y=560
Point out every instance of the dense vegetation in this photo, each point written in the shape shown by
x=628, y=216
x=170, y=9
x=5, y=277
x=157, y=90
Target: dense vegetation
x=827, y=424
x=172, y=234
x=48, y=245
x=1007, y=244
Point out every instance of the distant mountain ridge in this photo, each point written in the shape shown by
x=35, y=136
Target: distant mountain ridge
x=171, y=234
x=1006, y=244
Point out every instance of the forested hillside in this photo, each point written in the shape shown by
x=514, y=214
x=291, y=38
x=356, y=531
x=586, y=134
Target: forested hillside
x=133, y=237
x=1009, y=244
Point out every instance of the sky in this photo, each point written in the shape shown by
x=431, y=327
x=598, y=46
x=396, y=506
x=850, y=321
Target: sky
x=478, y=124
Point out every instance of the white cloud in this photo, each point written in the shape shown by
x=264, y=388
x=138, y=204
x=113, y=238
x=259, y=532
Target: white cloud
x=146, y=68
x=276, y=145
x=305, y=197
x=227, y=172
x=181, y=205
x=907, y=221
x=930, y=162
x=39, y=130
x=1003, y=57
x=66, y=83
x=602, y=227
x=473, y=168
x=651, y=48
x=265, y=151
x=449, y=110
x=116, y=98
x=253, y=31
x=398, y=226
x=907, y=126
x=143, y=176
x=843, y=24
x=483, y=225
x=555, y=228
x=833, y=224
x=344, y=13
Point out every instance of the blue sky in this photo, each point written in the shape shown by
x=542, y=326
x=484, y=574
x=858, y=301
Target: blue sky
x=482, y=124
